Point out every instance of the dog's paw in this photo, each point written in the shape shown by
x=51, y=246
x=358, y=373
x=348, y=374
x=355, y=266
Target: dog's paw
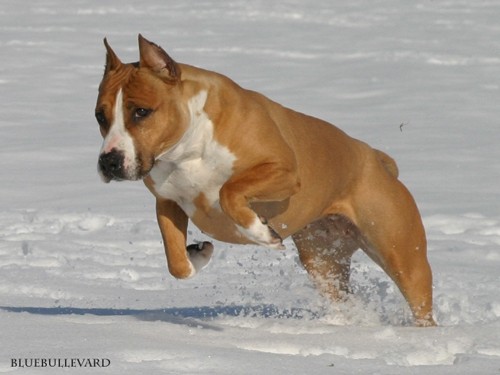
x=200, y=254
x=261, y=233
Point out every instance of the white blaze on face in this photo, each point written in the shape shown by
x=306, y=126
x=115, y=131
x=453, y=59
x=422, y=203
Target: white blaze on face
x=120, y=140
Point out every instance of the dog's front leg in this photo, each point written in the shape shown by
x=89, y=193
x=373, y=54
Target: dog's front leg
x=265, y=182
x=183, y=262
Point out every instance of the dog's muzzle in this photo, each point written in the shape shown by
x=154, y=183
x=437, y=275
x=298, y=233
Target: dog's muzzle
x=111, y=165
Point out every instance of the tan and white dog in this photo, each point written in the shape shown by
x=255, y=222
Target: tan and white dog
x=247, y=170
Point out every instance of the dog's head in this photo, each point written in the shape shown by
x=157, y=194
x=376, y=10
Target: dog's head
x=140, y=112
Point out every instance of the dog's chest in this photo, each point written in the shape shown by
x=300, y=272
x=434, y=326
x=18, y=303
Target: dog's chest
x=196, y=165
x=186, y=181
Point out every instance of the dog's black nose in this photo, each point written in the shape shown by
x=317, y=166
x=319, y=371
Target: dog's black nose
x=111, y=165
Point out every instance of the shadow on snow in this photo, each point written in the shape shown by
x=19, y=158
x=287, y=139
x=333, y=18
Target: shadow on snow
x=177, y=315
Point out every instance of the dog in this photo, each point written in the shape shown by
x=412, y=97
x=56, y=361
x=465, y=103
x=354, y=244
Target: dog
x=246, y=170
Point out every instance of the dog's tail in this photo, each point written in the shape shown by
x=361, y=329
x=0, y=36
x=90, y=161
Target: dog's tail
x=388, y=163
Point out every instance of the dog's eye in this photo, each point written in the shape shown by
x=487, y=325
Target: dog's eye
x=141, y=113
x=101, y=118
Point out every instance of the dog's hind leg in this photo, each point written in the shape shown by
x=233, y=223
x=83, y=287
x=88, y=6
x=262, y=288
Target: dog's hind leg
x=325, y=249
x=394, y=237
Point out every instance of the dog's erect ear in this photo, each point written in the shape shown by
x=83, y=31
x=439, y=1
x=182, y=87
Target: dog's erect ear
x=112, y=61
x=156, y=59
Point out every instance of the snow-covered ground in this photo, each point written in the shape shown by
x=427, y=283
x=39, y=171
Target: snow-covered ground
x=82, y=269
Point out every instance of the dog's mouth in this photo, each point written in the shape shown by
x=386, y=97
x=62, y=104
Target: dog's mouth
x=105, y=179
x=108, y=176
x=112, y=166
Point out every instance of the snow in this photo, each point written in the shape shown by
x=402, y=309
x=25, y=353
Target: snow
x=82, y=269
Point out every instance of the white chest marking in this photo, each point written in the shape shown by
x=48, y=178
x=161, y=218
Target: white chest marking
x=196, y=164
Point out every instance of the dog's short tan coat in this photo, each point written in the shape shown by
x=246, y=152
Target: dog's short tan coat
x=245, y=169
